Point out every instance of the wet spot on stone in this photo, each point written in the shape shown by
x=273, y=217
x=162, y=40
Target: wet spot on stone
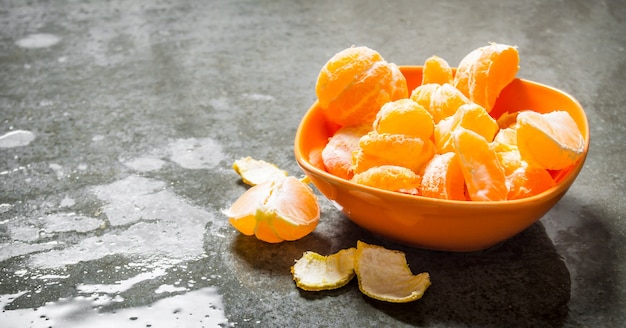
x=17, y=138
x=145, y=164
x=38, y=40
x=192, y=153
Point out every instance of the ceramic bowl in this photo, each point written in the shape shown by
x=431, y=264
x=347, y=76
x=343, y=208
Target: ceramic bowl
x=431, y=223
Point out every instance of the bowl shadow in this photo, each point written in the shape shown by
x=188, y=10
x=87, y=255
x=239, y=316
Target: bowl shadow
x=521, y=282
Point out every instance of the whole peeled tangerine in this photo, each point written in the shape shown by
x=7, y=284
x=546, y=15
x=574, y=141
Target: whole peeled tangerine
x=355, y=83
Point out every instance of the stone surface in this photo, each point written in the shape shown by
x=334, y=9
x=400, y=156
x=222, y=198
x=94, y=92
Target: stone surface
x=120, y=121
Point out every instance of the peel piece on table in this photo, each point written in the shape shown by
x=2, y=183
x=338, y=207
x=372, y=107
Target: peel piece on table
x=384, y=275
x=315, y=272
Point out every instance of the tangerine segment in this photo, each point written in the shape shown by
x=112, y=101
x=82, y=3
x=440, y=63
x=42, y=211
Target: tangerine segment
x=400, y=89
x=485, y=71
x=445, y=101
x=505, y=139
x=341, y=70
x=315, y=272
x=521, y=179
x=376, y=149
x=423, y=93
x=484, y=176
x=436, y=70
x=404, y=116
x=384, y=275
x=355, y=83
x=254, y=172
x=442, y=178
x=470, y=116
x=337, y=154
x=551, y=141
x=276, y=210
x=390, y=177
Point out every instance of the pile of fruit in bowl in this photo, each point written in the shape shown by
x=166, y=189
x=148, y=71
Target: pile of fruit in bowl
x=438, y=157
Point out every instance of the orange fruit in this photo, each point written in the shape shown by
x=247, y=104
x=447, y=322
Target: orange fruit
x=399, y=88
x=483, y=173
x=505, y=139
x=485, y=71
x=470, y=116
x=404, y=116
x=276, y=210
x=445, y=101
x=355, y=83
x=376, y=149
x=389, y=177
x=337, y=154
x=442, y=178
x=422, y=94
x=551, y=141
x=436, y=70
x=521, y=179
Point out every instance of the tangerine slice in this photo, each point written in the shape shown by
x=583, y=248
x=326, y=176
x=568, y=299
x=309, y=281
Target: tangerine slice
x=276, y=210
x=423, y=93
x=484, y=176
x=485, y=71
x=470, y=116
x=254, y=172
x=436, y=70
x=337, y=154
x=523, y=180
x=355, y=83
x=442, y=178
x=376, y=149
x=551, y=141
x=505, y=139
x=384, y=274
x=315, y=272
x=404, y=116
x=445, y=101
x=390, y=177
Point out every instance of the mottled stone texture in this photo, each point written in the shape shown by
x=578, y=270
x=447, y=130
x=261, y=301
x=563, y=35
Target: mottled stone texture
x=130, y=113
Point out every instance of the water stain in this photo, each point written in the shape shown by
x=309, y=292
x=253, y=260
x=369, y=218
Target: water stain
x=38, y=40
x=192, y=153
x=17, y=138
x=203, y=306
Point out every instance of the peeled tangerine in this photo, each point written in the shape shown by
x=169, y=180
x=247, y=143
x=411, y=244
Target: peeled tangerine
x=470, y=116
x=337, y=153
x=441, y=100
x=442, y=178
x=355, y=83
x=483, y=173
x=383, y=274
x=376, y=149
x=276, y=210
x=436, y=70
x=485, y=71
x=404, y=116
x=551, y=141
x=390, y=177
x=523, y=180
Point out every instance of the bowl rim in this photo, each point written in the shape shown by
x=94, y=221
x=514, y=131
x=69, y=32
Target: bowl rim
x=556, y=191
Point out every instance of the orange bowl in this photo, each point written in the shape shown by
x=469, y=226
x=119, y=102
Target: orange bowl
x=431, y=223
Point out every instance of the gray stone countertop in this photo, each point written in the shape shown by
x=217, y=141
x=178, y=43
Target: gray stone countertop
x=120, y=120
